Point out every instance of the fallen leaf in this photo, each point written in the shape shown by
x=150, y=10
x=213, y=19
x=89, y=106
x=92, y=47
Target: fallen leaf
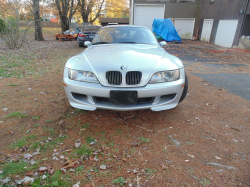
x=105, y=147
x=27, y=180
x=77, y=143
x=29, y=173
x=42, y=169
x=92, y=184
x=27, y=156
x=217, y=157
x=61, y=122
x=164, y=167
x=134, y=143
x=192, y=156
x=76, y=185
x=103, y=167
x=69, y=163
x=109, y=166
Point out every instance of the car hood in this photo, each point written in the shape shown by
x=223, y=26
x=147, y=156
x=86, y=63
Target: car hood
x=145, y=58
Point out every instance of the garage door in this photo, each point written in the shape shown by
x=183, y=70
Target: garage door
x=144, y=15
x=226, y=32
x=185, y=27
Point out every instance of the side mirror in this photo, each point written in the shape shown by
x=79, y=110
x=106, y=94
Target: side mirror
x=87, y=43
x=163, y=43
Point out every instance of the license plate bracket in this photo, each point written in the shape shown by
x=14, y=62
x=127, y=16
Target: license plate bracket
x=123, y=97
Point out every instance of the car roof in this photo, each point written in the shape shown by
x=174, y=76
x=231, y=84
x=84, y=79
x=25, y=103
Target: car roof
x=134, y=26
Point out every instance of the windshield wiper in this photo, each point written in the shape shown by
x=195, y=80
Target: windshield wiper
x=101, y=43
x=127, y=42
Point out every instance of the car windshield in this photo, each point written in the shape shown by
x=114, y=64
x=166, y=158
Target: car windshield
x=117, y=35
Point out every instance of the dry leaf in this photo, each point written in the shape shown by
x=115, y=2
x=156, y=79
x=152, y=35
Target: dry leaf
x=77, y=143
x=164, y=167
x=109, y=166
x=134, y=143
x=105, y=147
x=69, y=163
x=103, y=167
x=92, y=184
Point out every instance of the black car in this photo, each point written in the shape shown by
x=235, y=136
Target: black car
x=87, y=34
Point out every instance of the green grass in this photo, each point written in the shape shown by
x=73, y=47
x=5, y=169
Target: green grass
x=145, y=140
x=120, y=181
x=89, y=139
x=54, y=180
x=23, y=141
x=13, y=168
x=14, y=65
x=10, y=84
x=19, y=143
x=149, y=171
x=83, y=150
x=85, y=125
x=16, y=114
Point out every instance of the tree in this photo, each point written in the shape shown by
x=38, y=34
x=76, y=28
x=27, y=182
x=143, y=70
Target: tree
x=116, y=8
x=66, y=9
x=88, y=8
x=38, y=25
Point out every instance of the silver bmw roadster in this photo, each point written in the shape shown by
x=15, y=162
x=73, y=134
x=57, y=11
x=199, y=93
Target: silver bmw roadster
x=125, y=68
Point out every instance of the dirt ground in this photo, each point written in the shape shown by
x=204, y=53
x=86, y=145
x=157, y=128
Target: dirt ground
x=204, y=141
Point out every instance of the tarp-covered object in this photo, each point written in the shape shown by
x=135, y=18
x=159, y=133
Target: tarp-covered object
x=165, y=29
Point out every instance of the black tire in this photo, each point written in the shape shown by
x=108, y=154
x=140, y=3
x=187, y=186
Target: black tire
x=184, y=93
x=57, y=38
x=80, y=45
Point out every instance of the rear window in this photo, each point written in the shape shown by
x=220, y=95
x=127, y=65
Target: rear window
x=91, y=28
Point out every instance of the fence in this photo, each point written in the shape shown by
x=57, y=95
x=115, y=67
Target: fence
x=44, y=23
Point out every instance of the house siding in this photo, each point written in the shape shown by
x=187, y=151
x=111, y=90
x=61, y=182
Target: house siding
x=223, y=10
x=177, y=10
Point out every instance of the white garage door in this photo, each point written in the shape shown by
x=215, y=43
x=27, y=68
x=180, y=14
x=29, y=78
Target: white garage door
x=185, y=27
x=144, y=15
x=226, y=32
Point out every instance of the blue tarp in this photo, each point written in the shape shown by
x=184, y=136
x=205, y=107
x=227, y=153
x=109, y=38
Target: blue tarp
x=165, y=29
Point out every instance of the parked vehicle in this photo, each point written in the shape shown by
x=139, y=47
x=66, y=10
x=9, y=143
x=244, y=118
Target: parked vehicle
x=125, y=68
x=87, y=33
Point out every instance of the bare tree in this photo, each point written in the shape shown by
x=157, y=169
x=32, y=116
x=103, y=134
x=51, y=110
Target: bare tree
x=38, y=25
x=66, y=9
x=90, y=7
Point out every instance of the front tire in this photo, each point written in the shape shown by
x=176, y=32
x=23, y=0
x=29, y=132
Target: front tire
x=184, y=93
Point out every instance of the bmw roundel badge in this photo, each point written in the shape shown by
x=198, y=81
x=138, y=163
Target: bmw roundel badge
x=124, y=67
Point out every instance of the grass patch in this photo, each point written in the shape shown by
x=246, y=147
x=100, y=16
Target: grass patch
x=89, y=139
x=13, y=168
x=120, y=181
x=149, y=171
x=83, y=150
x=19, y=143
x=10, y=84
x=85, y=125
x=16, y=114
x=23, y=141
x=145, y=140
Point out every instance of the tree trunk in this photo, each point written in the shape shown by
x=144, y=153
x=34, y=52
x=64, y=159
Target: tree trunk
x=64, y=23
x=38, y=26
x=85, y=18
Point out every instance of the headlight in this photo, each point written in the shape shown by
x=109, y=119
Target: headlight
x=85, y=76
x=165, y=76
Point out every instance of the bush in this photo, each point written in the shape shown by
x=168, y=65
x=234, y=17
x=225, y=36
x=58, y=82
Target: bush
x=2, y=25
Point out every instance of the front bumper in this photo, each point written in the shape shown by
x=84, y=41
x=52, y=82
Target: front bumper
x=83, y=40
x=91, y=96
